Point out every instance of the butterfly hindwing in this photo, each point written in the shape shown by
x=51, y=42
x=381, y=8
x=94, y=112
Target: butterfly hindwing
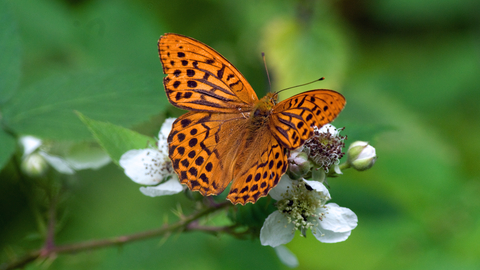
x=200, y=79
x=201, y=151
x=292, y=120
x=258, y=169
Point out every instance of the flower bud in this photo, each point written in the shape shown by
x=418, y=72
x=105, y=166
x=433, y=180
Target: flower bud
x=34, y=165
x=361, y=156
x=299, y=165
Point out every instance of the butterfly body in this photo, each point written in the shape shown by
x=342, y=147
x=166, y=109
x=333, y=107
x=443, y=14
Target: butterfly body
x=230, y=135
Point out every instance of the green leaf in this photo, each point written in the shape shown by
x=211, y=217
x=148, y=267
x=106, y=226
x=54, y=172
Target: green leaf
x=103, y=29
x=47, y=30
x=7, y=144
x=301, y=54
x=46, y=109
x=114, y=139
x=421, y=14
x=11, y=56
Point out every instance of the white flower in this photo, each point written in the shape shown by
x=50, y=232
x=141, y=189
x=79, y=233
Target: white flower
x=302, y=206
x=361, y=156
x=68, y=158
x=153, y=166
x=145, y=166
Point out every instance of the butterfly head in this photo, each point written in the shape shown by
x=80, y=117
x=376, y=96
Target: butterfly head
x=262, y=109
x=267, y=103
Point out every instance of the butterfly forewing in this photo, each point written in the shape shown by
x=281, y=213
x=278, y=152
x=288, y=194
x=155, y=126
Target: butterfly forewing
x=200, y=79
x=292, y=120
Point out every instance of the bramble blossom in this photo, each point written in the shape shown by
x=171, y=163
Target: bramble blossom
x=302, y=206
x=153, y=167
x=65, y=158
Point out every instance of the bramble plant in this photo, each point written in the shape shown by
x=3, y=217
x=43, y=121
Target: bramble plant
x=81, y=85
x=45, y=144
x=298, y=202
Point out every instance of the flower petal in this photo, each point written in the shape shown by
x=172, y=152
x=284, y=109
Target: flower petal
x=329, y=128
x=276, y=230
x=338, y=219
x=163, y=135
x=166, y=127
x=143, y=166
x=336, y=224
x=170, y=187
x=57, y=163
x=86, y=156
x=30, y=144
x=286, y=256
x=281, y=187
x=337, y=170
x=318, y=187
x=326, y=236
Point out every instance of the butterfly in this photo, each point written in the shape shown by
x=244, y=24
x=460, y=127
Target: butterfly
x=229, y=135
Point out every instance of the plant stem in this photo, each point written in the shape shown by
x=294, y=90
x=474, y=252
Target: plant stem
x=51, y=250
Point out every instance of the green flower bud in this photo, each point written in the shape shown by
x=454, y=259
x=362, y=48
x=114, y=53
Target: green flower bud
x=34, y=165
x=299, y=164
x=361, y=156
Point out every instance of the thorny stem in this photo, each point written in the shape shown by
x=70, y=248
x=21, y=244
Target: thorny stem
x=50, y=237
x=50, y=249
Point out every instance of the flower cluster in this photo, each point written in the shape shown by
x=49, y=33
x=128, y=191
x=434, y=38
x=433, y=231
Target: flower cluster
x=318, y=155
x=301, y=204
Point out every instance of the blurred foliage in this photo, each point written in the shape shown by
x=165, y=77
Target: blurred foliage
x=116, y=140
x=408, y=69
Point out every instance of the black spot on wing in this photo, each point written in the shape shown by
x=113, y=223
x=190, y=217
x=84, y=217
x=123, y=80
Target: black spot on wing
x=220, y=72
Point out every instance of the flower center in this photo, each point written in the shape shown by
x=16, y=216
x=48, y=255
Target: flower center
x=325, y=148
x=298, y=204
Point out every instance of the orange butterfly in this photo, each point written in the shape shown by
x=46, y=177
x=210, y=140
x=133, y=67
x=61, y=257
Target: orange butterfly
x=229, y=134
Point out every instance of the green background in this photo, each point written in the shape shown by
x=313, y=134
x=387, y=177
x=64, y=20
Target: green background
x=410, y=71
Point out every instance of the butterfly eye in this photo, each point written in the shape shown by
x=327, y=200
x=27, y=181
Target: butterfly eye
x=274, y=98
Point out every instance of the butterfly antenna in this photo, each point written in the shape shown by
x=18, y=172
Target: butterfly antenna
x=321, y=79
x=266, y=69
